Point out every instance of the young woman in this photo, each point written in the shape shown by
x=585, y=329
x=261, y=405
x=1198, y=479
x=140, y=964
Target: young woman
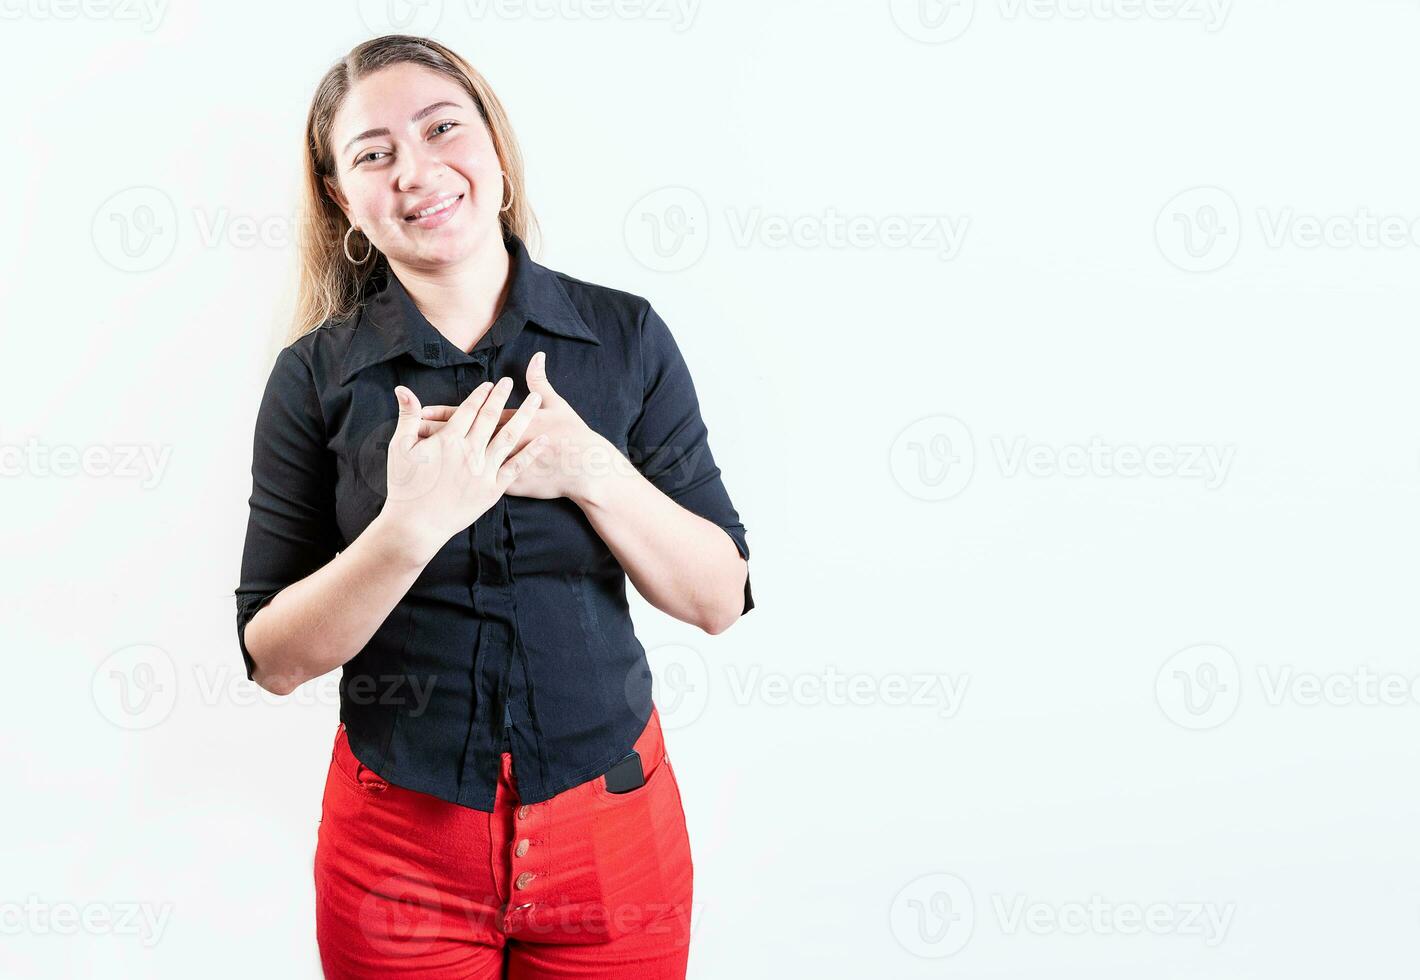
x=499, y=796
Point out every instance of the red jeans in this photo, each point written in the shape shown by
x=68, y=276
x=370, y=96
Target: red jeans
x=586, y=884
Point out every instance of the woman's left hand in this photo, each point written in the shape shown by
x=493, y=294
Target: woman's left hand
x=575, y=454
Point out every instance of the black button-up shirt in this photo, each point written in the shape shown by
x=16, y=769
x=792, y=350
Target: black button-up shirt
x=517, y=634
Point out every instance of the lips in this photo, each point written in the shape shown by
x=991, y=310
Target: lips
x=432, y=206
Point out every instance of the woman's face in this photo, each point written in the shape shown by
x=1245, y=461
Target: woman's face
x=430, y=147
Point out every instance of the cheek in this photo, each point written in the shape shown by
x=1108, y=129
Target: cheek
x=371, y=211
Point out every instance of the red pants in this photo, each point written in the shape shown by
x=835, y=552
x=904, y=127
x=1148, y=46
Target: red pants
x=586, y=884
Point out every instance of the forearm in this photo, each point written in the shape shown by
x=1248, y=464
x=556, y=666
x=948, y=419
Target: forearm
x=682, y=564
x=318, y=623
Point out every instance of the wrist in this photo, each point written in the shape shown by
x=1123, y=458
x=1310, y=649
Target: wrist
x=603, y=468
x=397, y=544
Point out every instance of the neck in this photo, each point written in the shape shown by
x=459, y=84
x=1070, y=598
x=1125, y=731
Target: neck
x=463, y=299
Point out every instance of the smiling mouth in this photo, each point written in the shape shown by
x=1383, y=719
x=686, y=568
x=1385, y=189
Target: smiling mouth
x=443, y=205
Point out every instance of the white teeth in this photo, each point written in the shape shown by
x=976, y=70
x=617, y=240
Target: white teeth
x=446, y=202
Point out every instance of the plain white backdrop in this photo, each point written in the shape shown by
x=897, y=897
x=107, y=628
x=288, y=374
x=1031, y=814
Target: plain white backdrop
x=1060, y=359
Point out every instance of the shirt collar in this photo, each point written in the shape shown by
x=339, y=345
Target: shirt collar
x=390, y=323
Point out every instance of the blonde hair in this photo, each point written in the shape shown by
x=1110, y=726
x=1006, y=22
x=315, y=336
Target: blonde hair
x=331, y=286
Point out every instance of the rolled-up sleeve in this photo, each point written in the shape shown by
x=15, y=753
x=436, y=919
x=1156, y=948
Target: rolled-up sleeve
x=292, y=529
x=669, y=442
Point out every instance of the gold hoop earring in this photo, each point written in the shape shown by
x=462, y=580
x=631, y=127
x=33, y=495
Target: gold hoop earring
x=368, y=252
x=510, y=193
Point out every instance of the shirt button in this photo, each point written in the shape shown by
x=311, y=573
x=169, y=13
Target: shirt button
x=523, y=879
x=522, y=847
x=523, y=811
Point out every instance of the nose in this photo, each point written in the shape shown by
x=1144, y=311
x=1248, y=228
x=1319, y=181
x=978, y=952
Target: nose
x=416, y=168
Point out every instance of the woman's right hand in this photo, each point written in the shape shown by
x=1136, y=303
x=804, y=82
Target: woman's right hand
x=440, y=483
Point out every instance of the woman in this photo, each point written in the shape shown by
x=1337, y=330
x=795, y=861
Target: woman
x=499, y=796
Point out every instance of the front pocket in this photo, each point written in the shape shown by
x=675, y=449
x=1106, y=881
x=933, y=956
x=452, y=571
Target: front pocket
x=606, y=794
x=365, y=780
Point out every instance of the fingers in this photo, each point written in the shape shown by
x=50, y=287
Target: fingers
x=537, y=379
x=511, y=469
x=461, y=419
x=488, y=413
x=408, y=429
x=513, y=429
x=436, y=417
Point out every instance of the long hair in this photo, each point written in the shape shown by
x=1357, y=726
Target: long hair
x=330, y=285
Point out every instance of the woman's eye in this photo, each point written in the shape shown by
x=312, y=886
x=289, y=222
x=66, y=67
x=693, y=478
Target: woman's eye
x=367, y=156
x=441, y=125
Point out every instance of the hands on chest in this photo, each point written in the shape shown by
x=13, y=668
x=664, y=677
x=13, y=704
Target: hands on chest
x=448, y=464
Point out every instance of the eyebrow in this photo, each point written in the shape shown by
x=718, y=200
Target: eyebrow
x=382, y=131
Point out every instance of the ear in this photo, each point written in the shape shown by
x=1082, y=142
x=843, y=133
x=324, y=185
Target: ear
x=333, y=189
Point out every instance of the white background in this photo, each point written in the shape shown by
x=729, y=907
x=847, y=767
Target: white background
x=929, y=440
